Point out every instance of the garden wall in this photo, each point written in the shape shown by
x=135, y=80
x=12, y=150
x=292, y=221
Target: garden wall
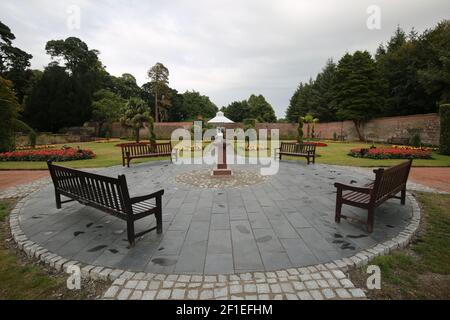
x=379, y=130
x=383, y=129
x=47, y=138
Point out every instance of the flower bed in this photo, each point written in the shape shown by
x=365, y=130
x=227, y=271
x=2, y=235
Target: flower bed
x=64, y=154
x=39, y=147
x=317, y=144
x=390, y=153
x=415, y=148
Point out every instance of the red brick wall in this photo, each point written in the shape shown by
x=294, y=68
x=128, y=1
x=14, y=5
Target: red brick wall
x=380, y=129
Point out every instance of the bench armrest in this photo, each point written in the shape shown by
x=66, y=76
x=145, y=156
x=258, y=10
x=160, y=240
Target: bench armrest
x=146, y=197
x=341, y=187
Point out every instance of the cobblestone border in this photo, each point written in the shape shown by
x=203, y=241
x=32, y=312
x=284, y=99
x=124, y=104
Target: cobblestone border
x=323, y=281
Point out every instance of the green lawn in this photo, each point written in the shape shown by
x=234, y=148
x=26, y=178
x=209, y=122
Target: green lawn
x=423, y=270
x=336, y=153
x=20, y=280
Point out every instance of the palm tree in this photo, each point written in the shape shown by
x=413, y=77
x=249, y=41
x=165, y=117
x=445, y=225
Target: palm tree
x=310, y=120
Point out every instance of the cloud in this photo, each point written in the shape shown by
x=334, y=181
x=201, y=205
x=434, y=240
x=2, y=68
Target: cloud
x=224, y=49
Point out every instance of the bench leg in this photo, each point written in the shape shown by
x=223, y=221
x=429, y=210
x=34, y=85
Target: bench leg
x=128, y=162
x=403, y=197
x=337, y=217
x=159, y=222
x=159, y=215
x=58, y=200
x=314, y=160
x=370, y=219
x=130, y=232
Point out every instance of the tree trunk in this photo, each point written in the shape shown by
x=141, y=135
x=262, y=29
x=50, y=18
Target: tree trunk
x=137, y=135
x=358, y=129
x=99, y=131
x=156, y=106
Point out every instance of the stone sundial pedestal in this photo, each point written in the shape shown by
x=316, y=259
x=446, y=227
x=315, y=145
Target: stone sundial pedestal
x=221, y=169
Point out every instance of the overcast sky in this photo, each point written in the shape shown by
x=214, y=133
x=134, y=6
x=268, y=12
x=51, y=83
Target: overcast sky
x=224, y=49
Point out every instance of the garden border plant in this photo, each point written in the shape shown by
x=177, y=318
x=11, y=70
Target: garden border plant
x=57, y=155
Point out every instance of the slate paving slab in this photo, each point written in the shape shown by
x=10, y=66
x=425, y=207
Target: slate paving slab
x=263, y=224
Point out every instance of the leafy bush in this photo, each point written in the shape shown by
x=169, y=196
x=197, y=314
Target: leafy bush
x=300, y=130
x=64, y=154
x=390, y=153
x=249, y=124
x=444, y=112
x=416, y=141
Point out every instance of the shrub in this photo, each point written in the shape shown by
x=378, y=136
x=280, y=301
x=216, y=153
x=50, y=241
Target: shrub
x=151, y=128
x=300, y=130
x=64, y=154
x=249, y=124
x=416, y=141
x=444, y=112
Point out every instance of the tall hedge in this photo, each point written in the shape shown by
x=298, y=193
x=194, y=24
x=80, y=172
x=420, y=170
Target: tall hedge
x=444, y=112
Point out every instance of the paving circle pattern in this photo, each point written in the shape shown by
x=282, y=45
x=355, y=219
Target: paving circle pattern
x=204, y=179
x=283, y=221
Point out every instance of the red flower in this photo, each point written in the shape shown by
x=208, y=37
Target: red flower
x=65, y=154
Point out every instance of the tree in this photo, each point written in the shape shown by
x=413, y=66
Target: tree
x=126, y=87
x=444, y=113
x=9, y=107
x=300, y=103
x=57, y=101
x=321, y=102
x=261, y=109
x=14, y=62
x=76, y=54
x=195, y=105
x=136, y=116
x=310, y=122
x=435, y=76
x=9, y=118
x=106, y=108
x=238, y=111
x=175, y=112
x=399, y=65
x=359, y=89
x=159, y=76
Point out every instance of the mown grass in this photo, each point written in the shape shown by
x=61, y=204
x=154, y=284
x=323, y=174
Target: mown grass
x=336, y=153
x=423, y=270
x=21, y=280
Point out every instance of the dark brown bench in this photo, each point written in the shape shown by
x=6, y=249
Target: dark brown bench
x=388, y=183
x=107, y=194
x=398, y=140
x=304, y=150
x=132, y=151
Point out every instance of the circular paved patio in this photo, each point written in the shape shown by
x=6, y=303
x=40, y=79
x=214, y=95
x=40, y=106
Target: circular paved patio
x=281, y=221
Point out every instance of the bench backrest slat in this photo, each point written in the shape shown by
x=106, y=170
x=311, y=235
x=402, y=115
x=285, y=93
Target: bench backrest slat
x=106, y=192
x=144, y=148
x=292, y=147
x=390, y=181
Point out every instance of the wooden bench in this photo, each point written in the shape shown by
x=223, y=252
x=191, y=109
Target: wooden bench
x=398, y=140
x=107, y=194
x=145, y=150
x=305, y=150
x=388, y=183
